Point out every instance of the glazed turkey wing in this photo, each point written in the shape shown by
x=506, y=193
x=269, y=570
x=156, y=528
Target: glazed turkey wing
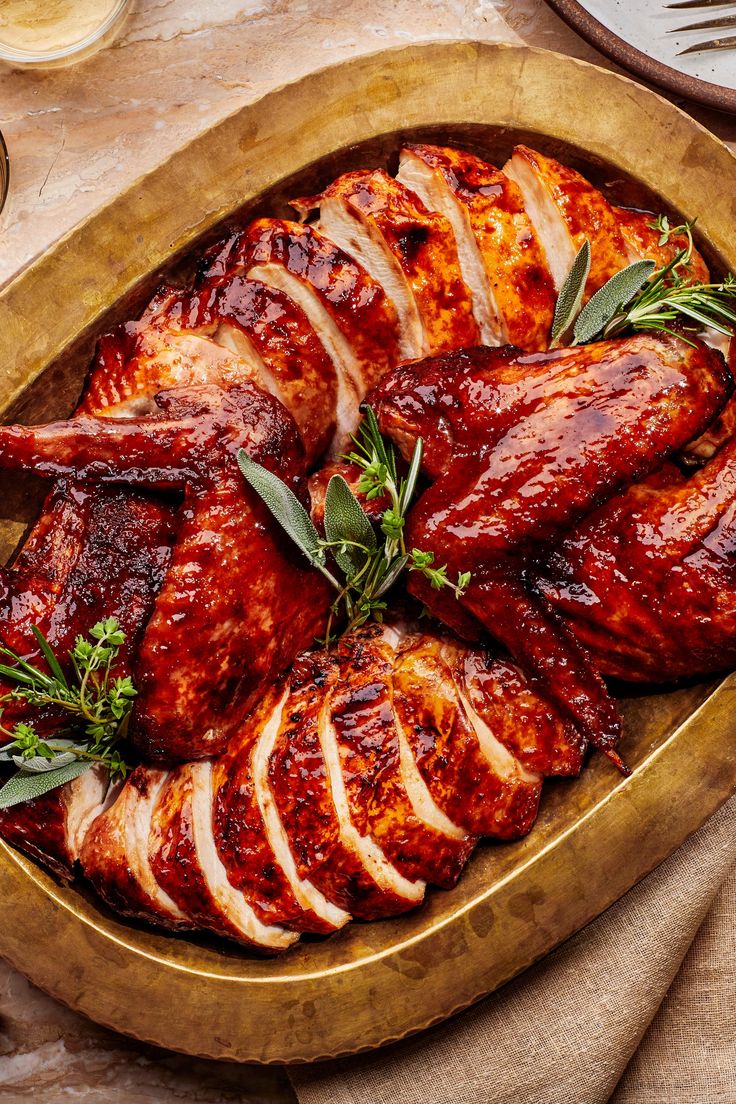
x=648, y=583
x=214, y=639
x=522, y=447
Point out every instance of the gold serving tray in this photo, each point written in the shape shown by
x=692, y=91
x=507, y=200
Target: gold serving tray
x=596, y=836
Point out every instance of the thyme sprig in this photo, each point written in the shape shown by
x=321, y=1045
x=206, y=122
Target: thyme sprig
x=96, y=704
x=370, y=566
x=643, y=297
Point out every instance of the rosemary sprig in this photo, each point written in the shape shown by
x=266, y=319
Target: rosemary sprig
x=98, y=708
x=643, y=297
x=370, y=566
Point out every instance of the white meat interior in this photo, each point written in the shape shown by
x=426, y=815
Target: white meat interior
x=544, y=215
x=307, y=894
x=361, y=239
x=230, y=901
x=435, y=193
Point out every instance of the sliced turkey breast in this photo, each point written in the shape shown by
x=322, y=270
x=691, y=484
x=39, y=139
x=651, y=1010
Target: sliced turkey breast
x=114, y=854
x=387, y=798
x=472, y=776
x=137, y=360
x=528, y=727
x=410, y=249
x=51, y=828
x=186, y=865
x=310, y=793
x=643, y=242
x=501, y=258
x=222, y=335
x=251, y=840
x=351, y=313
x=564, y=210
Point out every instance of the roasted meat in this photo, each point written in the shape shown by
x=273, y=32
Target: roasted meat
x=95, y=553
x=520, y=448
x=351, y=313
x=565, y=209
x=363, y=776
x=409, y=249
x=214, y=639
x=501, y=257
x=239, y=330
x=648, y=582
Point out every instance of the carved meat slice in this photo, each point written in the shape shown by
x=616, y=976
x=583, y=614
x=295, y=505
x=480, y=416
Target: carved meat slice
x=310, y=794
x=648, y=582
x=238, y=330
x=565, y=209
x=114, y=854
x=643, y=243
x=501, y=258
x=387, y=799
x=52, y=828
x=228, y=639
x=537, y=736
x=351, y=313
x=471, y=775
x=185, y=862
x=408, y=248
x=251, y=838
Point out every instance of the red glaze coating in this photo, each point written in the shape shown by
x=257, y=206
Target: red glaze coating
x=511, y=252
x=240, y=330
x=363, y=710
x=242, y=843
x=648, y=583
x=535, y=734
x=586, y=213
x=227, y=644
x=523, y=447
x=643, y=242
x=299, y=371
x=445, y=745
x=357, y=304
x=299, y=780
x=115, y=852
x=422, y=245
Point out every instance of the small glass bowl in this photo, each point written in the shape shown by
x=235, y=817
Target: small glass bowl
x=100, y=36
x=4, y=172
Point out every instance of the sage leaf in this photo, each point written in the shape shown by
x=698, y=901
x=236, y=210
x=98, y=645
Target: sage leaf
x=24, y=787
x=608, y=301
x=285, y=507
x=571, y=295
x=38, y=765
x=347, y=526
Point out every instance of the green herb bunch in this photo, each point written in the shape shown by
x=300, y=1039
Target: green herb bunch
x=644, y=297
x=97, y=705
x=369, y=565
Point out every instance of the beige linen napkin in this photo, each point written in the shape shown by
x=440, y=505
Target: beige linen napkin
x=566, y=1030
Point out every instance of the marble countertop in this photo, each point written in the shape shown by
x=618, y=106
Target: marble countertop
x=76, y=138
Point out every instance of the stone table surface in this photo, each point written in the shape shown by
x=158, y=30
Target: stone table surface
x=76, y=138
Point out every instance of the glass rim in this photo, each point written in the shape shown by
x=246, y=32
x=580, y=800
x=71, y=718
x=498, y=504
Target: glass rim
x=23, y=57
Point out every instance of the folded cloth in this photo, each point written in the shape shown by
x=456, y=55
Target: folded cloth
x=567, y=1030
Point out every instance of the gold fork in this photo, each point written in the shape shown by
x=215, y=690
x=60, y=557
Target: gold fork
x=722, y=22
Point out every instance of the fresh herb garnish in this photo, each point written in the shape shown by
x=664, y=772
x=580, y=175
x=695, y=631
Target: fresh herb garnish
x=98, y=706
x=568, y=303
x=370, y=566
x=643, y=297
